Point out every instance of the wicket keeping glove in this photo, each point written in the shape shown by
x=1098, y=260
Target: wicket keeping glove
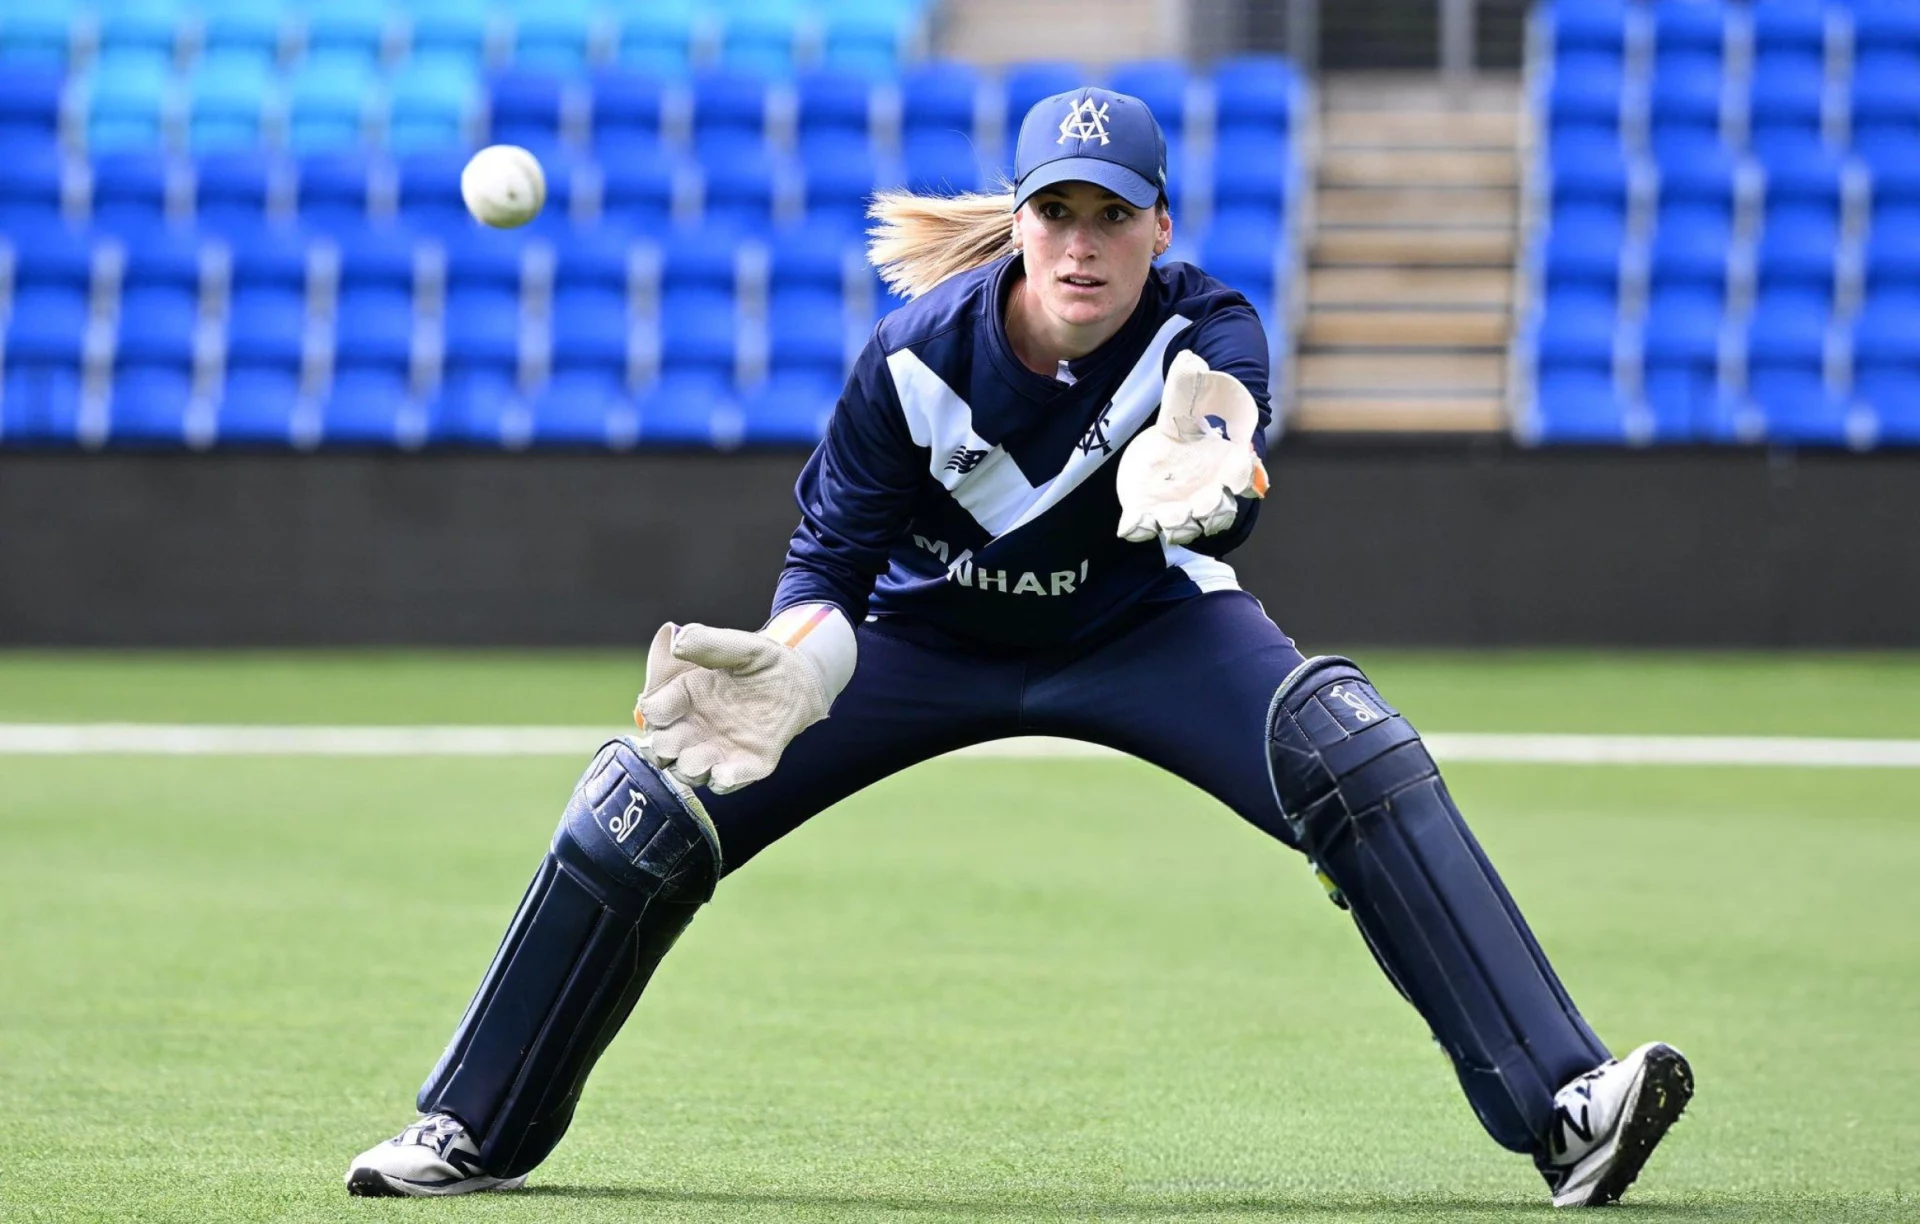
x=721, y=705
x=1178, y=480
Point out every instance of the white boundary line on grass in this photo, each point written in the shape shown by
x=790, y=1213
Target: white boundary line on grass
x=179, y=739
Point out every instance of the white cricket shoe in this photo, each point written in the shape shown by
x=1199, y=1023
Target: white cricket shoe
x=1607, y=1122
x=434, y=1156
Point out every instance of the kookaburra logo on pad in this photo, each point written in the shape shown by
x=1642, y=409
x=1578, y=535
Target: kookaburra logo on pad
x=623, y=825
x=1084, y=122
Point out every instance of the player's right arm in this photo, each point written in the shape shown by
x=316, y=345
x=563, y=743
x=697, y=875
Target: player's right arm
x=721, y=705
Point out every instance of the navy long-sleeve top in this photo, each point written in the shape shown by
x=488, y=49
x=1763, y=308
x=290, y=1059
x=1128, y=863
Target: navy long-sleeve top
x=958, y=487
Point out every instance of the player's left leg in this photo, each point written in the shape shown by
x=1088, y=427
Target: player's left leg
x=1212, y=691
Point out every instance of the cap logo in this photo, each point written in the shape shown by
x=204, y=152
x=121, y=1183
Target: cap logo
x=1084, y=122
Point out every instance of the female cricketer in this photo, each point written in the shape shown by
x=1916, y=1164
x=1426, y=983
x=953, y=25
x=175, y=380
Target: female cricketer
x=1014, y=526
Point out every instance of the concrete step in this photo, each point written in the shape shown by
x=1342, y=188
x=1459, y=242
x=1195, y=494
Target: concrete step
x=1390, y=414
x=1374, y=373
x=1439, y=126
x=1410, y=287
x=1380, y=245
x=1342, y=167
x=1390, y=328
x=1477, y=206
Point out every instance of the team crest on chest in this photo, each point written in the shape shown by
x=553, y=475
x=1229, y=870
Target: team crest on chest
x=1096, y=434
x=1085, y=122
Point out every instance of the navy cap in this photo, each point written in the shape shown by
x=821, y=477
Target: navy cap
x=1091, y=136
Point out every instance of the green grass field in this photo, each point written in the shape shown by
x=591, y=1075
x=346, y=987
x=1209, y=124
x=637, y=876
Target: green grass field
x=984, y=990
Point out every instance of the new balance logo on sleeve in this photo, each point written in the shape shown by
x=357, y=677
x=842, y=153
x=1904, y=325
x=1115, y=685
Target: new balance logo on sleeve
x=964, y=460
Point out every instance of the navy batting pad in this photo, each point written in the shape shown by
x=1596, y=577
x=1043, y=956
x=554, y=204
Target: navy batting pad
x=630, y=863
x=1366, y=801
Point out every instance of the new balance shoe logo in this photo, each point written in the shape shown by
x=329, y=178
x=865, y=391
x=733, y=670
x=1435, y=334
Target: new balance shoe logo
x=964, y=460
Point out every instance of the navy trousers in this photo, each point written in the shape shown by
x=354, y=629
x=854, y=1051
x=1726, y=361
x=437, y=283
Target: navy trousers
x=1185, y=686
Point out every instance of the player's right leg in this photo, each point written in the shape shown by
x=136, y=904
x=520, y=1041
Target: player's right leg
x=634, y=857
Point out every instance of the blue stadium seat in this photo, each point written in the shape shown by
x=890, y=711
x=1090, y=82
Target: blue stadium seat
x=865, y=38
x=1893, y=258
x=232, y=189
x=729, y=100
x=1892, y=396
x=347, y=30
x=1585, y=92
x=51, y=257
x=1796, y=252
x=1689, y=29
x=1023, y=84
x=156, y=328
x=1253, y=93
x=236, y=29
x=162, y=258
x=125, y=105
x=788, y=409
x=333, y=189
x=1690, y=251
x=1575, y=334
x=1696, y=173
x=526, y=106
x=1786, y=98
x=268, y=258
x=592, y=334
x=146, y=30
x=760, y=37
x=47, y=327
x=429, y=183
x=807, y=334
x=483, y=261
x=1886, y=335
x=1587, y=27
x=1589, y=172
x=1251, y=174
x=656, y=36
x=809, y=259
x=1801, y=173
x=582, y=408
x=699, y=334
x=940, y=95
x=1680, y=339
x=555, y=35
x=29, y=100
x=30, y=192
x=1576, y=407
x=226, y=103
x=431, y=106
x=368, y=406
x=1797, y=407
x=259, y=407
x=1686, y=99
x=37, y=37
x=377, y=257
x=627, y=105
x=266, y=330
x=637, y=188
x=1887, y=29
x=833, y=102
x=130, y=188
x=149, y=406
x=373, y=330
x=1886, y=100
x=685, y=408
x=447, y=32
x=39, y=405
x=1787, y=331
x=479, y=385
x=941, y=163
x=599, y=259
x=327, y=104
x=741, y=182
x=699, y=260
x=1160, y=83
x=1244, y=254
x=839, y=175
x=1790, y=32
x=1581, y=254
x=1893, y=166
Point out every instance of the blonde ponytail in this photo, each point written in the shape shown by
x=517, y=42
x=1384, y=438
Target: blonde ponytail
x=921, y=240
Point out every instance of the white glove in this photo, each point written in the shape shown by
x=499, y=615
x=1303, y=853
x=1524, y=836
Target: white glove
x=1179, y=479
x=721, y=705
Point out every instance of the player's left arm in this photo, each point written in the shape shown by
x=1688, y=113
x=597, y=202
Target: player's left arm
x=1196, y=476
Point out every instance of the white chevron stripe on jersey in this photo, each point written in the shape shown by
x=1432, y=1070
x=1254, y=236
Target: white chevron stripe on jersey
x=1133, y=403
x=982, y=477
x=1208, y=573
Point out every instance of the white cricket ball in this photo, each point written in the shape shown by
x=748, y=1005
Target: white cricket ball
x=503, y=186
